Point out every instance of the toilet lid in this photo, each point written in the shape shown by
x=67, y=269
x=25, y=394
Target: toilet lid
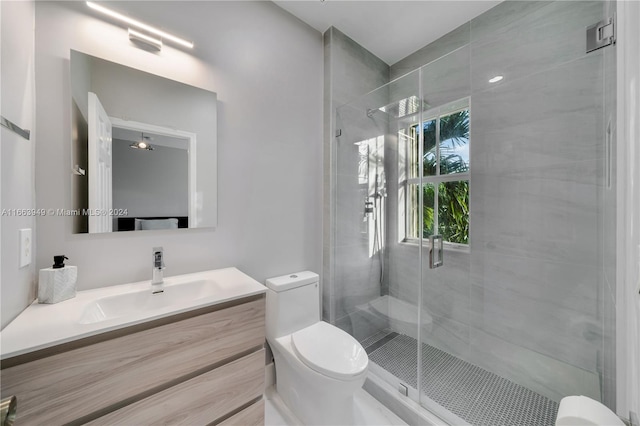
x=330, y=351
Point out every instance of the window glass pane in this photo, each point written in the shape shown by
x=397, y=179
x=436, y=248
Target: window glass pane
x=445, y=152
x=413, y=216
x=408, y=141
x=453, y=211
x=429, y=151
x=454, y=143
x=428, y=217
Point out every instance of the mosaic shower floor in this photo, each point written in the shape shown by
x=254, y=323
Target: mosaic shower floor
x=470, y=392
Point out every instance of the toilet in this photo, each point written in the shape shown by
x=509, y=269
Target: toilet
x=318, y=366
x=583, y=411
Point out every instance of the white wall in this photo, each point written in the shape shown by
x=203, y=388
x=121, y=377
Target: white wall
x=18, y=105
x=266, y=68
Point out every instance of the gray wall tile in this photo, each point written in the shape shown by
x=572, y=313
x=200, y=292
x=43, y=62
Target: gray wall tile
x=563, y=334
x=350, y=72
x=540, y=40
x=447, y=79
x=503, y=16
x=439, y=48
x=540, y=373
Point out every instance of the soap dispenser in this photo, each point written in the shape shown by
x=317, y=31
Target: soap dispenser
x=58, y=282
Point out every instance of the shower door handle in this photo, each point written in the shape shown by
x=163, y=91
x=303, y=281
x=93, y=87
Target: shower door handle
x=436, y=251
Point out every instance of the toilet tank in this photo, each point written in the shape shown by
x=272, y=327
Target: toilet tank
x=293, y=303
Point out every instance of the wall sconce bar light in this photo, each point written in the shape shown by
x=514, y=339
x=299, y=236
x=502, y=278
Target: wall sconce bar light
x=138, y=37
x=141, y=25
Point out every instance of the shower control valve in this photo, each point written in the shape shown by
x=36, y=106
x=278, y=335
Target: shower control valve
x=368, y=207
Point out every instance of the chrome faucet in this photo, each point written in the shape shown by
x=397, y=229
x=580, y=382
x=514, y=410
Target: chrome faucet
x=157, y=279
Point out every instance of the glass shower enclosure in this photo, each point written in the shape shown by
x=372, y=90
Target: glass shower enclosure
x=471, y=222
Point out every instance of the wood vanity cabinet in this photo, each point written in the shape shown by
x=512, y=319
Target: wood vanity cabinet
x=199, y=367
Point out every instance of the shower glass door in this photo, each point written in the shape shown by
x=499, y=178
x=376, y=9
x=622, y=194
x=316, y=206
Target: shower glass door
x=376, y=275
x=514, y=164
x=440, y=216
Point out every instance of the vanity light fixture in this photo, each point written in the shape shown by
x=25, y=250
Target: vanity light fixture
x=496, y=79
x=141, y=25
x=138, y=37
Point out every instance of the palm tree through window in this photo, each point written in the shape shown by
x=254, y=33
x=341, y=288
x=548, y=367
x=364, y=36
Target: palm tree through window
x=444, y=160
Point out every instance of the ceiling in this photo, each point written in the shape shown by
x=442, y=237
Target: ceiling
x=391, y=29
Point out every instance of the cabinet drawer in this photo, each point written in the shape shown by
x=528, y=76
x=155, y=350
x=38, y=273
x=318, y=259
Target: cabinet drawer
x=198, y=401
x=253, y=415
x=102, y=377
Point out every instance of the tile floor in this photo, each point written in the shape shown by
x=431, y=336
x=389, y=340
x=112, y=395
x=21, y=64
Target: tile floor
x=478, y=396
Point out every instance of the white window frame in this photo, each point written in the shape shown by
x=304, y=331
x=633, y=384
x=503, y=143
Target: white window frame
x=412, y=156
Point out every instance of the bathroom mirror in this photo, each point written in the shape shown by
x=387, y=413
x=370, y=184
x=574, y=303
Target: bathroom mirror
x=143, y=150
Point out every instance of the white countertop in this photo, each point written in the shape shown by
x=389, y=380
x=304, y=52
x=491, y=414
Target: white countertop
x=42, y=325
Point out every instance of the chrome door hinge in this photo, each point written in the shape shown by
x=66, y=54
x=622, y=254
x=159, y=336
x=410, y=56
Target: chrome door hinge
x=601, y=34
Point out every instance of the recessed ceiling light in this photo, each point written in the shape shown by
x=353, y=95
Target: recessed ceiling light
x=496, y=79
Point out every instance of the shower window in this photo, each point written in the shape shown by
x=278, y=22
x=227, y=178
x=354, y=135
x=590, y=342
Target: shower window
x=444, y=159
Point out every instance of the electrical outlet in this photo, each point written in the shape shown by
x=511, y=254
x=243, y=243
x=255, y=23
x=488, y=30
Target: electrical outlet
x=26, y=244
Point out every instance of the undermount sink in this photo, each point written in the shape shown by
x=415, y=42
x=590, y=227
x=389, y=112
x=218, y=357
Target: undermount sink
x=110, y=307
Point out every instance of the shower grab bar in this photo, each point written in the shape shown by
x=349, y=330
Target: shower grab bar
x=436, y=251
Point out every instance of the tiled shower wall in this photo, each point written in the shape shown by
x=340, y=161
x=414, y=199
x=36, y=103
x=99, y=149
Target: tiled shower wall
x=350, y=71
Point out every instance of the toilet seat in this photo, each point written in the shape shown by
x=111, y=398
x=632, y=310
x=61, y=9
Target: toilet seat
x=330, y=351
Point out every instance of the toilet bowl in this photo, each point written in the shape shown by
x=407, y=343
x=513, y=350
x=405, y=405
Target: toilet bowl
x=318, y=366
x=584, y=411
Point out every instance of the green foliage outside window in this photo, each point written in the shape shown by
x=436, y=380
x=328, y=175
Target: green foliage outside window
x=453, y=211
x=453, y=196
x=453, y=128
